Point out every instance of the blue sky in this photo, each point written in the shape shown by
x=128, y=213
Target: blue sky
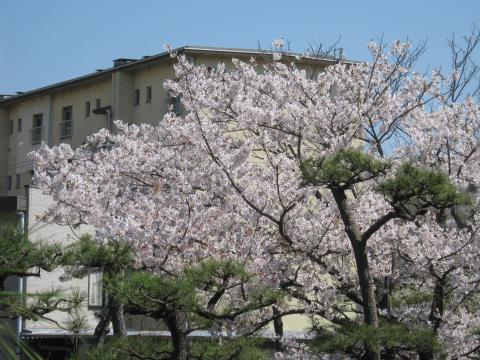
x=46, y=41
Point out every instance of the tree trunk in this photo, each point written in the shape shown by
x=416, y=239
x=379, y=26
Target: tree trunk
x=101, y=330
x=367, y=290
x=436, y=311
x=175, y=322
x=278, y=327
x=117, y=317
x=366, y=284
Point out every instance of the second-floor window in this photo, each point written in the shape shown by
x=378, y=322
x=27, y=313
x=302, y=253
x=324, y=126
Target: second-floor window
x=37, y=128
x=98, y=104
x=19, y=125
x=9, y=182
x=66, y=123
x=174, y=104
x=87, y=109
x=17, y=181
x=149, y=94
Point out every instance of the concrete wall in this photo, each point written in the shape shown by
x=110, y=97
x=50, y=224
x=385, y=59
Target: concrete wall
x=153, y=76
x=82, y=125
x=41, y=231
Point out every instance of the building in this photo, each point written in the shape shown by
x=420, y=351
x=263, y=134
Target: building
x=67, y=112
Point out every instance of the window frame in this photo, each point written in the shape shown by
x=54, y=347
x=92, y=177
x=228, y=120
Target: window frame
x=101, y=294
x=88, y=108
x=148, y=94
x=66, y=123
x=36, y=129
x=174, y=104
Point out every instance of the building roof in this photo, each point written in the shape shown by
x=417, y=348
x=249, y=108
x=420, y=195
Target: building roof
x=133, y=64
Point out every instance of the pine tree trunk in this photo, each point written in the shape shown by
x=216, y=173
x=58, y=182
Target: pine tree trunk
x=175, y=322
x=118, y=321
x=367, y=290
x=101, y=329
x=436, y=311
x=278, y=327
x=117, y=317
x=368, y=294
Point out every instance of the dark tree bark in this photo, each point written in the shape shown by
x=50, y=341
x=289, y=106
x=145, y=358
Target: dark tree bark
x=367, y=289
x=112, y=313
x=118, y=320
x=278, y=327
x=175, y=322
x=101, y=330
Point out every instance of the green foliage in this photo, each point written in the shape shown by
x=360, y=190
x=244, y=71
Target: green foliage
x=420, y=188
x=160, y=349
x=390, y=337
x=153, y=294
x=18, y=255
x=410, y=297
x=41, y=303
x=9, y=341
x=199, y=290
x=211, y=271
x=213, y=278
x=342, y=170
x=86, y=254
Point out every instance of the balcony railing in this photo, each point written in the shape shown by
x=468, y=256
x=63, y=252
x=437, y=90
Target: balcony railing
x=36, y=134
x=66, y=129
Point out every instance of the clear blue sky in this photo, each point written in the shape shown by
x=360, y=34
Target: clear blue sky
x=46, y=41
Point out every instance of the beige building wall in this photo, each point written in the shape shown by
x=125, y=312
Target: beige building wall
x=154, y=77
x=51, y=233
x=123, y=95
x=83, y=124
x=17, y=144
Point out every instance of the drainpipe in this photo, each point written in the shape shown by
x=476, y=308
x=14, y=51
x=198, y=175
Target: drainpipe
x=19, y=320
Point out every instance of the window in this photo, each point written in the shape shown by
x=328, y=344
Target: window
x=17, y=181
x=149, y=94
x=10, y=127
x=37, y=129
x=98, y=104
x=174, y=104
x=19, y=125
x=66, y=123
x=87, y=109
x=96, y=296
x=9, y=182
x=136, y=99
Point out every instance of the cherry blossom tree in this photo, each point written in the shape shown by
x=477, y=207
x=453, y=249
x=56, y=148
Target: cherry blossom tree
x=342, y=190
